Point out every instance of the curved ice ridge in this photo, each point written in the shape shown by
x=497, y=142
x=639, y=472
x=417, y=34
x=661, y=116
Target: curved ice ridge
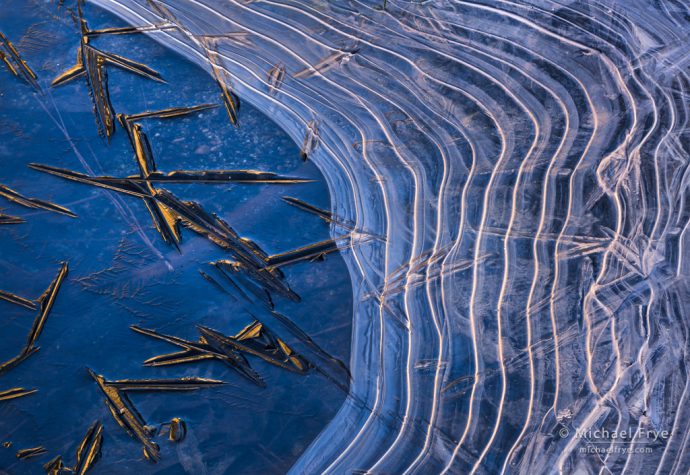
x=526, y=162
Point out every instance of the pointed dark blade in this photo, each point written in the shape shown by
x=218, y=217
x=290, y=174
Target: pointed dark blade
x=121, y=185
x=33, y=203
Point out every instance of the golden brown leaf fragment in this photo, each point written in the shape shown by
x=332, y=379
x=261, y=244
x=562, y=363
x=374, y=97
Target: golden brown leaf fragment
x=91, y=63
x=54, y=466
x=15, y=393
x=330, y=61
x=126, y=415
x=257, y=340
x=198, y=351
x=311, y=252
x=276, y=76
x=309, y=208
x=17, y=300
x=32, y=452
x=89, y=451
x=45, y=304
x=7, y=219
x=14, y=62
x=33, y=203
x=311, y=140
x=178, y=430
x=230, y=100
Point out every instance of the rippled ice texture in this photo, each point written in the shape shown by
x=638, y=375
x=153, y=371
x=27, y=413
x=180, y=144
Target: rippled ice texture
x=121, y=272
x=527, y=163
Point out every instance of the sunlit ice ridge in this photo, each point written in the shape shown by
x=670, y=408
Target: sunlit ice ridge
x=516, y=173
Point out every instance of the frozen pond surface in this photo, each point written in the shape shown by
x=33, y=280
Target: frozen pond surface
x=515, y=175
x=122, y=273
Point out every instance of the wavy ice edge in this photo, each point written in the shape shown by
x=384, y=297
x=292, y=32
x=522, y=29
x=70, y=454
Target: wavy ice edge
x=527, y=164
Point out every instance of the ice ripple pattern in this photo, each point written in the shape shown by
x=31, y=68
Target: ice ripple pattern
x=527, y=164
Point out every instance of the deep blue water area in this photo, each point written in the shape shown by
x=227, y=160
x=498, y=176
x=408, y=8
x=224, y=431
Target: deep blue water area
x=122, y=273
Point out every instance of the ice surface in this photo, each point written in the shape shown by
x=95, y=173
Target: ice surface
x=523, y=165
